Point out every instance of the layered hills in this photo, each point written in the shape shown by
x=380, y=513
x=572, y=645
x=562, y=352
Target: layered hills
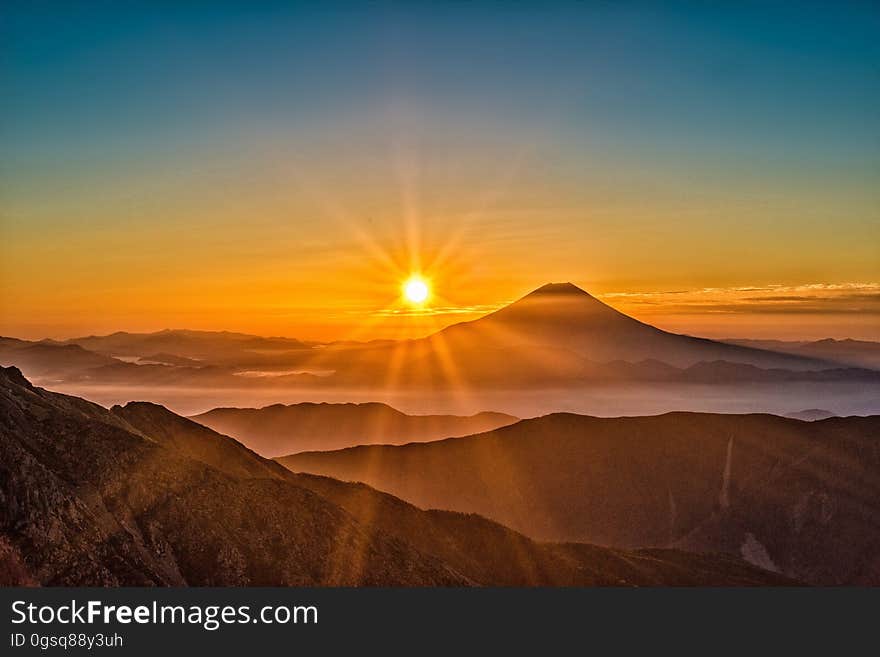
x=802, y=498
x=556, y=349
x=278, y=429
x=853, y=353
x=556, y=336
x=137, y=495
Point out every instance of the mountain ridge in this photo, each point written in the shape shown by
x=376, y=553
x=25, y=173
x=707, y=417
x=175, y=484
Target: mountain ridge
x=136, y=495
x=280, y=429
x=692, y=480
x=563, y=314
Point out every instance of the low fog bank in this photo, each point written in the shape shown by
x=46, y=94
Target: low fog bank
x=604, y=401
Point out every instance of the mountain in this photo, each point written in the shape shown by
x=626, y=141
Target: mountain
x=278, y=429
x=214, y=346
x=811, y=414
x=13, y=572
x=44, y=359
x=556, y=336
x=800, y=497
x=557, y=348
x=140, y=496
x=855, y=353
x=563, y=316
x=723, y=372
x=90, y=500
x=489, y=552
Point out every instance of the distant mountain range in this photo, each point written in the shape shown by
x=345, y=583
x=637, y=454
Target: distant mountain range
x=41, y=359
x=799, y=497
x=137, y=495
x=197, y=345
x=557, y=336
x=855, y=353
x=278, y=429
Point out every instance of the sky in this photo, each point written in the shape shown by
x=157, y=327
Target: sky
x=282, y=168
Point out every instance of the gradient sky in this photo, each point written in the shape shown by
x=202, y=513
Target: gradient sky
x=281, y=169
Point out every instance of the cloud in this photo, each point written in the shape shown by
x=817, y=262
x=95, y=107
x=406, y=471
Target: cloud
x=811, y=298
x=441, y=310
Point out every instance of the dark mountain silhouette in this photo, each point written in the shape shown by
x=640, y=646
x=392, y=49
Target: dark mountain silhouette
x=557, y=336
x=140, y=496
x=90, y=500
x=199, y=345
x=170, y=376
x=811, y=414
x=800, y=497
x=723, y=372
x=564, y=316
x=278, y=429
x=855, y=353
x=489, y=552
x=44, y=359
x=400, y=365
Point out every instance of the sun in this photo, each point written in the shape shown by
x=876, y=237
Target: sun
x=416, y=290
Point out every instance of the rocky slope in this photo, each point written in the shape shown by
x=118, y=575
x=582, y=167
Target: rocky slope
x=87, y=499
x=799, y=497
x=140, y=496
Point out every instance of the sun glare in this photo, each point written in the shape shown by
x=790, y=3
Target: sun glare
x=416, y=290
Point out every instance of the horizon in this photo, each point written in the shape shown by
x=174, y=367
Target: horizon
x=433, y=294
x=284, y=170
x=471, y=316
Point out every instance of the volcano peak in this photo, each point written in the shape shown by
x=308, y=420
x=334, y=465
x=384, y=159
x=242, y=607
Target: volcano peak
x=559, y=288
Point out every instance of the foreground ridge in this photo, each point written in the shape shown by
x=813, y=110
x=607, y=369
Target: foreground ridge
x=140, y=496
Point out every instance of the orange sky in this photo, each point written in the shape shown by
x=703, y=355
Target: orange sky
x=127, y=279
x=290, y=258
x=289, y=186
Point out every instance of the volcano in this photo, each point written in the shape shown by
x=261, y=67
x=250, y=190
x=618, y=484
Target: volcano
x=556, y=336
x=563, y=316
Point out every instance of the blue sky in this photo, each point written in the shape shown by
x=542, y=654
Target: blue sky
x=755, y=75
